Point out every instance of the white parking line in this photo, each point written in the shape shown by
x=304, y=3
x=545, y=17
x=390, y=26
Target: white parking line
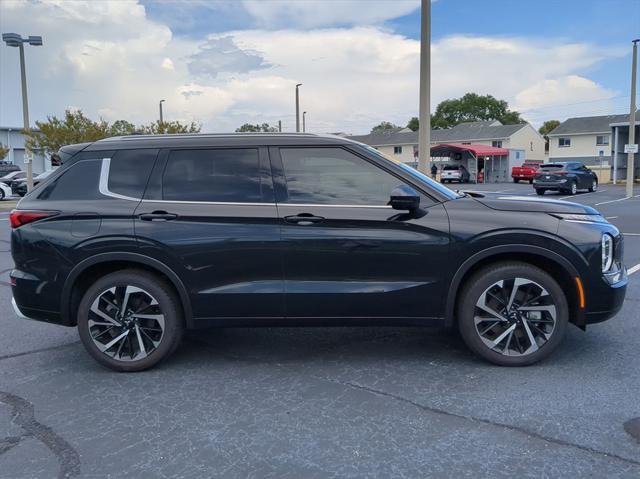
x=613, y=201
x=610, y=217
x=581, y=195
x=633, y=269
x=631, y=234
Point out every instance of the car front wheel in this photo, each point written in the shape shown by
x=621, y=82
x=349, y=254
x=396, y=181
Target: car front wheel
x=512, y=314
x=130, y=320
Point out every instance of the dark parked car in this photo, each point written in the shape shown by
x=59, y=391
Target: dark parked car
x=134, y=239
x=567, y=177
x=7, y=167
x=12, y=177
x=19, y=187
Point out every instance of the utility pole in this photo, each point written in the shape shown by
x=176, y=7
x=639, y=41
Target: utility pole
x=161, y=119
x=304, y=121
x=280, y=126
x=424, y=132
x=16, y=40
x=632, y=120
x=298, y=107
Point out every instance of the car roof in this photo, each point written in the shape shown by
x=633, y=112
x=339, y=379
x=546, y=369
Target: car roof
x=215, y=139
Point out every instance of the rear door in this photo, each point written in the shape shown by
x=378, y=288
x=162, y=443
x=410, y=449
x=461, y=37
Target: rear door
x=346, y=253
x=209, y=214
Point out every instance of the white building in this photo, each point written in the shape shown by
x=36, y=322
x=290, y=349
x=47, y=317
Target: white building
x=12, y=138
x=402, y=144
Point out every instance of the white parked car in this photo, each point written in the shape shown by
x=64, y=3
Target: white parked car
x=5, y=191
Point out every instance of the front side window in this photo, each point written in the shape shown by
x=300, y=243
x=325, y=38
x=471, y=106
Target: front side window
x=214, y=175
x=564, y=142
x=602, y=140
x=334, y=176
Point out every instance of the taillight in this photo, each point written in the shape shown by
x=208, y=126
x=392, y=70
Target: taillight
x=19, y=218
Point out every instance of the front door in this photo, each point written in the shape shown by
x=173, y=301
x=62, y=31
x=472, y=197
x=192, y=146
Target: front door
x=209, y=214
x=346, y=253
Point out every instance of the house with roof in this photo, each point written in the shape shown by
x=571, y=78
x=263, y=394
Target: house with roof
x=14, y=140
x=402, y=144
x=593, y=140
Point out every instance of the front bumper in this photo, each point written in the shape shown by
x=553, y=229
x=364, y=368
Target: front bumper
x=607, y=299
x=16, y=310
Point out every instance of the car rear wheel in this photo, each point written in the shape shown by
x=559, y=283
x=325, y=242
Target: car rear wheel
x=516, y=180
x=130, y=320
x=540, y=191
x=530, y=182
x=594, y=186
x=573, y=188
x=513, y=314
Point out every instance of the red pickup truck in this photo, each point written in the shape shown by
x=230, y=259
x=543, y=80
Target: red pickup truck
x=525, y=172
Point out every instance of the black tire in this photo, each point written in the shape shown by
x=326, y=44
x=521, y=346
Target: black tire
x=540, y=191
x=167, y=302
x=1, y=195
x=530, y=182
x=573, y=189
x=516, y=180
x=485, y=278
x=594, y=186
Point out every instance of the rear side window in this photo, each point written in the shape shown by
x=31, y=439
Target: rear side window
x=129, y=171
x=215, y=175
x=78, y=182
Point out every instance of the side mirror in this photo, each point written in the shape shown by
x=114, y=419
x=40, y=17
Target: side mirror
x=404, y=198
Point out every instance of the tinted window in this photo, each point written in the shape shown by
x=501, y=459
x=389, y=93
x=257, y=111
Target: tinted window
x=130, y=170
x=78, y=182
x=334, y=176
x=213, y=175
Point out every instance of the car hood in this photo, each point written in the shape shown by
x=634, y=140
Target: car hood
x=533, y=205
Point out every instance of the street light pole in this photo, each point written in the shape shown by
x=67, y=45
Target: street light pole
x=161, y=119
x=298, y=107
x=632, y=120
x=424, y=131
x=16, y=40
x=304, y=121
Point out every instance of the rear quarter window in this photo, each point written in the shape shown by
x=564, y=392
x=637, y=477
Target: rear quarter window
x=78, y=182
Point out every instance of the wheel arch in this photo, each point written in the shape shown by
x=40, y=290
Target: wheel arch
x=105, y=263
x=551, y=262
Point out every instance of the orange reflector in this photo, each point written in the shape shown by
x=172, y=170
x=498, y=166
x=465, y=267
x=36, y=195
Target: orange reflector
x=580, y=292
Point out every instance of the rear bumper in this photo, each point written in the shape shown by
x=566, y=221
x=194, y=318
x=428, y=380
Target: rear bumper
x=551, y=185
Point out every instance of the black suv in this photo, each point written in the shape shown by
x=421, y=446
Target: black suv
x=134, y=239
x=566, y=177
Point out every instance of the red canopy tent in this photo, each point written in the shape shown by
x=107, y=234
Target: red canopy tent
x=474, y=150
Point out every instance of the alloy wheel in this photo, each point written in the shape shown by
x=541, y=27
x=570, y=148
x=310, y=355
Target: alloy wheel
x=515, y=317
x=574, y=188
x=594, y=185
x=126, y=323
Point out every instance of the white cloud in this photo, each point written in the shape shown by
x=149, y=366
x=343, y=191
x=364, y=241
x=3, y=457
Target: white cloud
x=111, y=60
x=323, y=13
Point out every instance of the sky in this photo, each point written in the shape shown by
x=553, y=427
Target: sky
x=225, y=63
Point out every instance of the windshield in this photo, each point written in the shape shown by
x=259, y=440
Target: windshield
x=443, y=190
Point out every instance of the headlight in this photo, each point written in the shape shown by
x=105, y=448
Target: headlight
x=607, y=252
x=576, y=218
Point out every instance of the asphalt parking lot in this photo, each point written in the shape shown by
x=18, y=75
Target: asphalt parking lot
x=335, y=402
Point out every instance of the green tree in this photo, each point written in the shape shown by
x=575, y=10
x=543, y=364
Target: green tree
x=56, y=132
x=257, y=128
x=473, y=107
x=384, y=126
x=169, y=127
x=75, y=127
x=548, y=126
x=4, y=151
x=414, y=123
